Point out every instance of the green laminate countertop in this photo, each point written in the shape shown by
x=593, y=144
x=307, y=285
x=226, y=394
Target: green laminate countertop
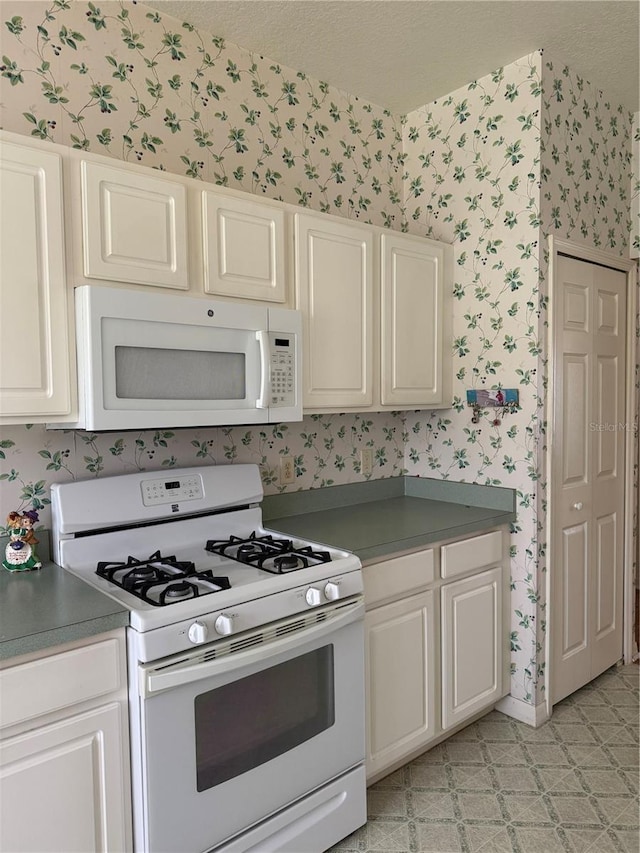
x=48, y=607
x=381, y=518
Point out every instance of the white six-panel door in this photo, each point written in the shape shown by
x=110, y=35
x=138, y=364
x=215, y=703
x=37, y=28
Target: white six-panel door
x=588, y=452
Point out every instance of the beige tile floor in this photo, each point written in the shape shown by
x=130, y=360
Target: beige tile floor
x=500, y=786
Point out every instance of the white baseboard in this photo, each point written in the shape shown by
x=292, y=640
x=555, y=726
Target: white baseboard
x=532, y=715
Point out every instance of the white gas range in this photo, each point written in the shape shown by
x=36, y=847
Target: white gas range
x=246, y=661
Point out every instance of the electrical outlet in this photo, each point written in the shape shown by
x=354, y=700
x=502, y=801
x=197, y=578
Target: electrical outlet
x=287, y=471
x=366, y=461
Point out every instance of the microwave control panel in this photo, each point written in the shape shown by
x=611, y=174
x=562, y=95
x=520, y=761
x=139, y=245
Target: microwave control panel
x=283, y=381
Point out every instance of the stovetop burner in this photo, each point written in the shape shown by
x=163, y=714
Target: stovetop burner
x=161, y=580
x=277, y=556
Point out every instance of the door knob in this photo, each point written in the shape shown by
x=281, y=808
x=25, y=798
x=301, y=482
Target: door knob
x=577, y=505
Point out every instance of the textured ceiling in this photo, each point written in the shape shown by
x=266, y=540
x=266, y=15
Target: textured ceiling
x=401, y=54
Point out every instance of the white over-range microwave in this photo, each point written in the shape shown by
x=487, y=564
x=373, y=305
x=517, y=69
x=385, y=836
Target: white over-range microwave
x=152, y=360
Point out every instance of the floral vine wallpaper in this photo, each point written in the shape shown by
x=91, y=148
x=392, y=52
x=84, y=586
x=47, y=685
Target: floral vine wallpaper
x=119, y=79
x=473, y=160
x=494, y=167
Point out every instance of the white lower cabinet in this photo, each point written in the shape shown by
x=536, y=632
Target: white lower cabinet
x=437, y=651
x=60, y=786
x=401, y=699
x=471, y=614
x=64, y=761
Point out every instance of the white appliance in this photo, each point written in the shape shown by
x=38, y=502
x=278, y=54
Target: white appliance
x=153, y=360
x=246, y=660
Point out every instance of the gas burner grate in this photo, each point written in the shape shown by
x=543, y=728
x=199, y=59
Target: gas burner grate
x=192, y=586
x=243, y=549
x=276, y=556
x=290, y=561
x=160, y=580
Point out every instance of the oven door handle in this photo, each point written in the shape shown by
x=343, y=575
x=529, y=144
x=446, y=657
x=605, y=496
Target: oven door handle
x=152, y=681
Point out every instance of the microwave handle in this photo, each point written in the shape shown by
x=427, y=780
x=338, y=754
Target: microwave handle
x=264, y=343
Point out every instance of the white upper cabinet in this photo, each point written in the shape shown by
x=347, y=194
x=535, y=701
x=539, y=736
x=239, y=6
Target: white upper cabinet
x=412, y=320
x=377, y=327
x=375, y=308
x=134, y=226
x=334, y=290
x=243, y=247
x=36, y=361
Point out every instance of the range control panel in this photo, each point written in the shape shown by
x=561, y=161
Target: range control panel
x=169, y=490
x=282, y=369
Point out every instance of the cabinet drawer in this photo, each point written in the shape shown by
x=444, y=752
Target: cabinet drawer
x=58, y=681
x=398, y=577
x=458, y=558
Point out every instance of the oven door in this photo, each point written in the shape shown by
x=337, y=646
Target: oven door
x=239, y=729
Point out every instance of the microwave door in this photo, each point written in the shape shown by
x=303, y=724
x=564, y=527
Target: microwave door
x=178, y=375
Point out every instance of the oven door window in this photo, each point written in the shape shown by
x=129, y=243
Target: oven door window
x=250, y=721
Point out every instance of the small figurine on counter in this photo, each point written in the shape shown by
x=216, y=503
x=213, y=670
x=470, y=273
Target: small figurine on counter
x=20, y=554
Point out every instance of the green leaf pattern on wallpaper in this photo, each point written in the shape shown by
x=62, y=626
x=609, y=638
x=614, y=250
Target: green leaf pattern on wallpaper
x=164, y=94
x=492, y=168
x=122, y=80
x=325, y=451
x=473, y=159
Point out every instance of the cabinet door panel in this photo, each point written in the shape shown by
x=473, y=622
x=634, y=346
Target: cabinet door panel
x=471, y=645
x=400, y=679
x=412, y=321
x=35, y=354
x=334, y=290
x=134, y=227
x=244, y=248
x=62, y=786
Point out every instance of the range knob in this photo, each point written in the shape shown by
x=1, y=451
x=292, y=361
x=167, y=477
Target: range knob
x=332, y=591
x=314, y=596
x=197, y=633
x=224, y=624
